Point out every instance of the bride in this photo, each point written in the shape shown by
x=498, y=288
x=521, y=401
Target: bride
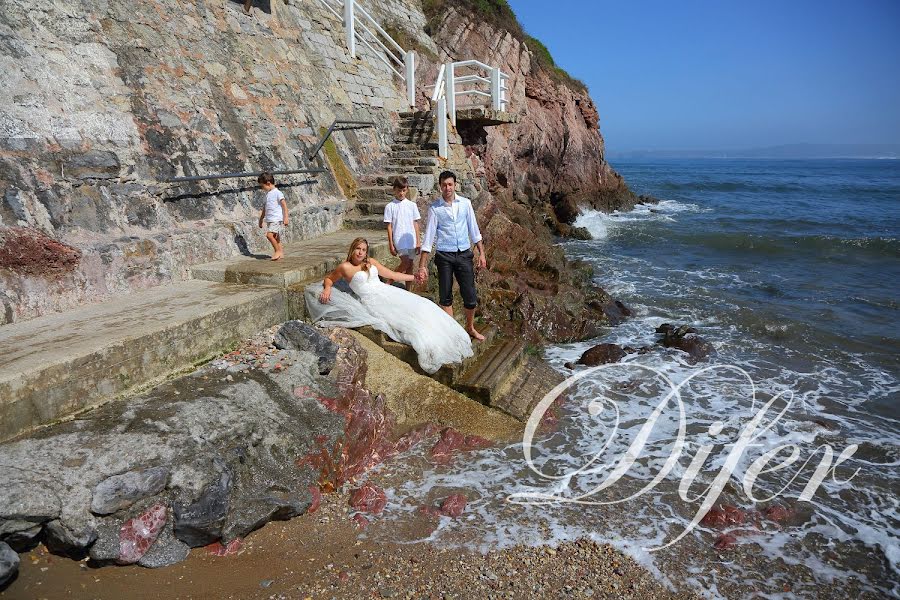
x=405, y=317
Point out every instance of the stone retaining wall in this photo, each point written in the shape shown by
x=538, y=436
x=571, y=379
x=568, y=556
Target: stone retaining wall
x=100, y=103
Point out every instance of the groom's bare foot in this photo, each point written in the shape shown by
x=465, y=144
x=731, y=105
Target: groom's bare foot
x=473, y=333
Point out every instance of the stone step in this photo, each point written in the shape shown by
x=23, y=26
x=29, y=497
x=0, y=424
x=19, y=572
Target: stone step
x=425, y=181
x=405, y=132
x=484, y=379
x=526, y=388
x=407, y=154
x=303, y=260
x=416, y=114
x=423, y=161
x=448, y=374
x=375, y=208
x=402, y=146
x=382, y=192
x=366, y=222
x=55, y=366
x=407, y=169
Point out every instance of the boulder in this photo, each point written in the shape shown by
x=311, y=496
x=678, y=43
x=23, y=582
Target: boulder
x=166, y=550
x=251, y=513
x=20, y=535
x=137, y=535
x=201, y=522
x=453, y=505
x=121, y=491
x=369, y=498
x=297, y=335
x=684, y=338
x=602, y=354
x=64, y=538
x=9, y=564
x=24, y=507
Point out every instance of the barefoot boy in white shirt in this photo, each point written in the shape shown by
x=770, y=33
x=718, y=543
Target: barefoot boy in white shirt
x=402, y=218
x=275, y=213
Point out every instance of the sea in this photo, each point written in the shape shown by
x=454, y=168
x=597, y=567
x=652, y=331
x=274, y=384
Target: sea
x=790, y=270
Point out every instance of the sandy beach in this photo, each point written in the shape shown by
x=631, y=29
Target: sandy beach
x=323, y=555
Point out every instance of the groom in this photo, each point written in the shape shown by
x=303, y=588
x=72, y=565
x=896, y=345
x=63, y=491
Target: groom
x=451, y=220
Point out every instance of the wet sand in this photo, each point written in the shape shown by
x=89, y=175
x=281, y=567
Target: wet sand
x=323, y=555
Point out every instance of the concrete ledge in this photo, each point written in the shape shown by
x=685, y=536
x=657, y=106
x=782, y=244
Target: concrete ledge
x=55, y=366
x=303, y=261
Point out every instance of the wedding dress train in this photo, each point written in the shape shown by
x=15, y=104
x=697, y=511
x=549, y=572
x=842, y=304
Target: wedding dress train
x=403, y=316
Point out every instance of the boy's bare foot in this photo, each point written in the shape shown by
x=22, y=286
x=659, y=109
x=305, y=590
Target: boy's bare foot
x=277, y=256
x=473, y=333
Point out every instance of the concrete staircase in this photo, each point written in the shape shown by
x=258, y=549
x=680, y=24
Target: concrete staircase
x=413, y=155
x=500, y=374
x=55, y=366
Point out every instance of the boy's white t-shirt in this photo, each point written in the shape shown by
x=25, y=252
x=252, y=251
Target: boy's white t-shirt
x=401, y=214
x=274, y=214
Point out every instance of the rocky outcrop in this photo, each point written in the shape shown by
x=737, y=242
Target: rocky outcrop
x=686, y=339
x=554, y=155
x=530, y=287
x=211, y=456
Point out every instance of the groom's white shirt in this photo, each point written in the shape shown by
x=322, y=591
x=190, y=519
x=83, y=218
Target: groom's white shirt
x=451, y=225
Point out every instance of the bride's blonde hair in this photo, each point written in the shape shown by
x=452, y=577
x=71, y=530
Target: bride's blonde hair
x=365, y=263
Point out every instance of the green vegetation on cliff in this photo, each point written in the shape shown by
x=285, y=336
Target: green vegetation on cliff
x=499, y=14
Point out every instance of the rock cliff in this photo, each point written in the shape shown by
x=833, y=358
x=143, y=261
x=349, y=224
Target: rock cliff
x=102, y=103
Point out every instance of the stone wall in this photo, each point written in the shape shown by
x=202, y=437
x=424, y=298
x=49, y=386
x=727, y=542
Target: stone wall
x=102, y=102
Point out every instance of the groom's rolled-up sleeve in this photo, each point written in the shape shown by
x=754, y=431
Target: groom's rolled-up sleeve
x=474, y=232
x=430, y=231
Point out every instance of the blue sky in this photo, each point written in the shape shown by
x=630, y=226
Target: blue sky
x=723, y=74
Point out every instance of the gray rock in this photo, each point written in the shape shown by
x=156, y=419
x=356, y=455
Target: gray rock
x=121, y=491
x=229, y=448
x=27, y=500
x=9, y=564
x=166, y=550
x=297, y=335
x=74, y=542
x=202, y=522
x=105, y=551
x=20, y=535
x=253, y=513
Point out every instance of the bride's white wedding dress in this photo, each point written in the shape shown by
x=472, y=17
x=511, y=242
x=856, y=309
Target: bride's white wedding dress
x=403, y=316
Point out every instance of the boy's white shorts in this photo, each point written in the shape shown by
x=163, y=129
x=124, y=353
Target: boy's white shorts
x=407, y=252
x=274, y=226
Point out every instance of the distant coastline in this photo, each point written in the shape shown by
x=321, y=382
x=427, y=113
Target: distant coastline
x=786, y=152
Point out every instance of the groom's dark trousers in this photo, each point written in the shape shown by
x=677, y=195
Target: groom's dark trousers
x=459, y=265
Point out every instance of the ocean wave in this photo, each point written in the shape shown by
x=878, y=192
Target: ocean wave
x=599, y=223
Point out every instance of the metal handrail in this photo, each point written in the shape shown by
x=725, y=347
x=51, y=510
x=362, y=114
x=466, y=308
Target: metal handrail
x=445, y=94
x=380, y=30
x=234, y=175
x=355, y=30
x=339, y=125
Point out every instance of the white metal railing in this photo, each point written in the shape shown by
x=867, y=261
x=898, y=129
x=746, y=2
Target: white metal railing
x=446, y=92
x=360, y=26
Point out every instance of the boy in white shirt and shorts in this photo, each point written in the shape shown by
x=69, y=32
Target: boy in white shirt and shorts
x=275, y=213
x=402, y=218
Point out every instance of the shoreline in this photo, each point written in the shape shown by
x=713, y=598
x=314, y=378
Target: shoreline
x=281, y=550
x=281, y=560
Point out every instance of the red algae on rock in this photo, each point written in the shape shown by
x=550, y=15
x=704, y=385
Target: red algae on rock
x=369, y=498
x=28, y=251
